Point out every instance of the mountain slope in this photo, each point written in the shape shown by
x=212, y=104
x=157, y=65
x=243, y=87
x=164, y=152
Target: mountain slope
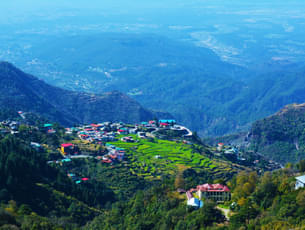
x=21, y=91
x=282, y=135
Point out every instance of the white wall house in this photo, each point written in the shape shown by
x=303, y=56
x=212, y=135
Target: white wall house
x=300, y=182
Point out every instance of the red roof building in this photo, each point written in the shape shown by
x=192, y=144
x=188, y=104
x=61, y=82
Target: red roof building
x=67, y=148
x=108, y=161
x=216, y=192
x=67, y=145
x=164, y=124
x=220, y=146
x=213, y=188
x=113, y=156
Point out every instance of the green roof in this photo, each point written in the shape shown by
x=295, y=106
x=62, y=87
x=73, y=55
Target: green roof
x=66, y=160
x=167, y=121
x=47, y=125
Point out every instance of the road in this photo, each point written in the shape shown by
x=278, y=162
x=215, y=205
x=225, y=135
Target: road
x=225, y=211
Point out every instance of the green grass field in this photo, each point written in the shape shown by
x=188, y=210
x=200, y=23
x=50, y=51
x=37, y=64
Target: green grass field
x=143, y=161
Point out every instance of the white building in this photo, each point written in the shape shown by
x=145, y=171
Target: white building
x=194, y=202
x=300, y=182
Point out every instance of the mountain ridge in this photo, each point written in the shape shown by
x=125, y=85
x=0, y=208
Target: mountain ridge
x=22, y=91
x=281, y=136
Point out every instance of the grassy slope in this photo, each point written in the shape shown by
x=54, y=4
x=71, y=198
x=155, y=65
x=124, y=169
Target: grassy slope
x=142, y=160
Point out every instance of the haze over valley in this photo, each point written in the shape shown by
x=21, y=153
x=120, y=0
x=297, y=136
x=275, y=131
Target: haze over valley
x=224, y=61
x=152, y=115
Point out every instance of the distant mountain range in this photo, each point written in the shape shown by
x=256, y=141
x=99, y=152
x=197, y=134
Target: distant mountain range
x=20, y=91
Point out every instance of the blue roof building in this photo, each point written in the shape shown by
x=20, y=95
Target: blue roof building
x=194, y=202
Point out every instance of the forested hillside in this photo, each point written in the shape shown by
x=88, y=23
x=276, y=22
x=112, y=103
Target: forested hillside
x=20, y=91
x=33, y=188
x=281, y=136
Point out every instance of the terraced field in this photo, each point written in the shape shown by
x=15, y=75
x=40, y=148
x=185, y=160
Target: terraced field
x=152, y=159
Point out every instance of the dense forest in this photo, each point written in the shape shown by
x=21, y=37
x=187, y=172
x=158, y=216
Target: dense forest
x=30, y=188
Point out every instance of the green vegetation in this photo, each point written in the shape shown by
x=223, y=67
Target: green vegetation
x=281, y=136
x=267, y=202
x=157, y=209
x=153, y=158
x=27, y=179
x=139, y=192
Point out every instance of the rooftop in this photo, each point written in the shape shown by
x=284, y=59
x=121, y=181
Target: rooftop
x=301, y=178
x=213, y=188
x=67, y=145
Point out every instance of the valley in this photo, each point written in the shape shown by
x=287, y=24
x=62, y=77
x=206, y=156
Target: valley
x=230, y=72
x=152, y=115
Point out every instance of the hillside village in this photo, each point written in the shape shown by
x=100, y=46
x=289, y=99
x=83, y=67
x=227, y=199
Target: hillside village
x=105, y=144
x=129, y=157
x=104, y=136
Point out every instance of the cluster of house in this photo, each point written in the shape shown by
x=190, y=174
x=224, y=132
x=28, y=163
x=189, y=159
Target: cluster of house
x=216, y=192
x=107, y=131
x=103, y=132
x=114, y=154
x=9, y=127
x=160, y=123
x=233, y=153
x=77, y=179
x=48, y=128
x=221, y=147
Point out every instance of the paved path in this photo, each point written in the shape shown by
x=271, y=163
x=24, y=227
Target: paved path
x=189, y=132
x=225, y=211
x=80, y=156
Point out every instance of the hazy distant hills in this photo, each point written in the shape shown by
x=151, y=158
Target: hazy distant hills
x=192, y=83
x=20, y=91
x=282, y=135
